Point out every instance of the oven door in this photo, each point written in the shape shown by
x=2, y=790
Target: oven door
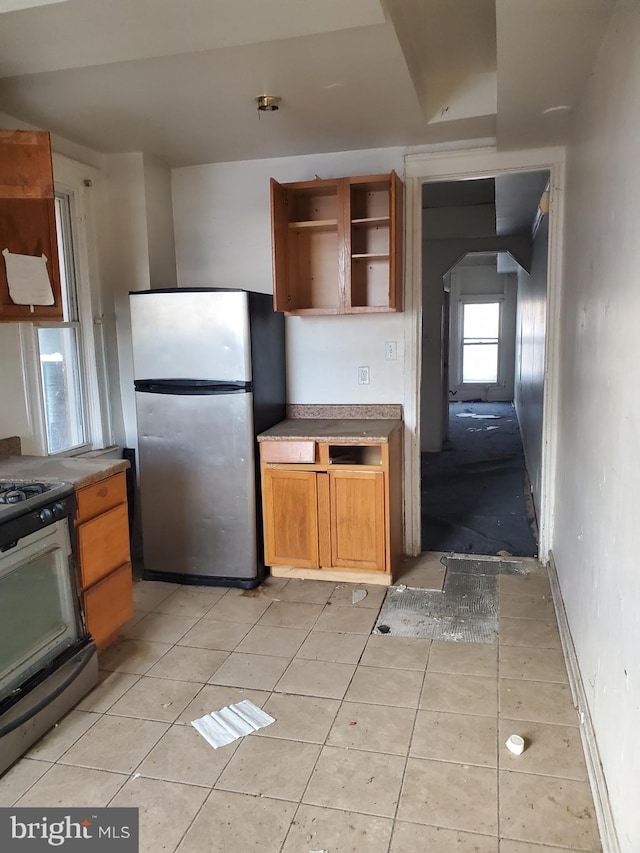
x=39, y=617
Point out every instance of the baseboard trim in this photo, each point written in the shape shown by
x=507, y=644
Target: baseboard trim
x=334, y=575
x=602, y=805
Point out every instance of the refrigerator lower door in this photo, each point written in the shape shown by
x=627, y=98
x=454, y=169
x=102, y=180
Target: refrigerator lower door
x=198, y=487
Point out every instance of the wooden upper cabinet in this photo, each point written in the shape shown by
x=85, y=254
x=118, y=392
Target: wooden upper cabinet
x=27, y=216
x=337, y=245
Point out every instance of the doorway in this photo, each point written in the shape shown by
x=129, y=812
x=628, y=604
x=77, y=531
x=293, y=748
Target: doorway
x=437, y=421
x=475, y=491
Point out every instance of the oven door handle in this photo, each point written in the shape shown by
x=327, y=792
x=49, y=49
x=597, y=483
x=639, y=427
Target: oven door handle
x=82, y=660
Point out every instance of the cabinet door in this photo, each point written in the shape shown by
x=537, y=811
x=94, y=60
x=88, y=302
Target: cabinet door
x=290, y=518
x=357, y=519
x=282, y=299
x=27, y=216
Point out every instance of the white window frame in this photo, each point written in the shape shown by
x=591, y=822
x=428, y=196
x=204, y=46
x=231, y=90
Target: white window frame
x=482, y=299
x=76, y=181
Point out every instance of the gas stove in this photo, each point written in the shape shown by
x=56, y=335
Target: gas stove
x=27, y=506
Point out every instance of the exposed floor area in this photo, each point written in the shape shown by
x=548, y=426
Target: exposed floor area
x=475, y=497
x=381, y=744
x=462, y=608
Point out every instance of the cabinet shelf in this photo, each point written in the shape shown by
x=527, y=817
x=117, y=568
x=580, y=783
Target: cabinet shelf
x=370, y=220
x=315, y=224
x=366, y=256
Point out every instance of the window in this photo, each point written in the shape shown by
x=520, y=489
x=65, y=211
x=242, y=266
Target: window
x=64, y=362
x=59, y=348
x=480, y=342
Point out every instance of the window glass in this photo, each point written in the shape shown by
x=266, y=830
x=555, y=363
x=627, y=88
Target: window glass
x=59, y=352
x=61, y=387
x=480, y=341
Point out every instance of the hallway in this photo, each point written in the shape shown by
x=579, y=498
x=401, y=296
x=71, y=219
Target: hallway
x=475, y=494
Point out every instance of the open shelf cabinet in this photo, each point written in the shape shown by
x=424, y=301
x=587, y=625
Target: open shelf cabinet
x=337, y=245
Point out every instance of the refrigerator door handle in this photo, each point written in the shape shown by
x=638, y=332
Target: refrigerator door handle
x=191, y=387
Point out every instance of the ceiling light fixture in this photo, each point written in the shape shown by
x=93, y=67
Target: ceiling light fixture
x=268, y=103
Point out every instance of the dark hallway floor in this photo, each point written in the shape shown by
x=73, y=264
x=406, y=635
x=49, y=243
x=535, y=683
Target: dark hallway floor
x=475, y=491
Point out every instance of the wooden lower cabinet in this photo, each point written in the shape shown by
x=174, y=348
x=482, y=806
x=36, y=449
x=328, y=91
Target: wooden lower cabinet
x=108, y=604
x=331, y=518
x=104, y=560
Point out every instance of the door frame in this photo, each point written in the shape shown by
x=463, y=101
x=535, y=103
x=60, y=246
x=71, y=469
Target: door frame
x=460, y=165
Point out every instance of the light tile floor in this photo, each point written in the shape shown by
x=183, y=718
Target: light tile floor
x=381, y=744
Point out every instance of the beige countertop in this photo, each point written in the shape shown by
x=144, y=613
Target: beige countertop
x=78, y=471
x=356, y=431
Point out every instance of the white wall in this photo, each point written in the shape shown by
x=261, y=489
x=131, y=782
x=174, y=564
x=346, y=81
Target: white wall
x=531, y=334
x=223, y=239
x=482, y=280
x=159, y=212
x=126, y=268
x=140, y=255
x=595, y=542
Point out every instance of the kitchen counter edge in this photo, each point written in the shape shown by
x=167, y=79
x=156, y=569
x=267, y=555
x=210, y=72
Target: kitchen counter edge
x=80, y=472
x=354, y=431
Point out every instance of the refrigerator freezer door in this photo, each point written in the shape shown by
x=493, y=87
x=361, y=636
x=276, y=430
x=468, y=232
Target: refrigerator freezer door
x=191, y=334
x=197, y=484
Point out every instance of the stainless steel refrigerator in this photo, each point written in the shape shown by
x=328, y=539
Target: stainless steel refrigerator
x=209, y=370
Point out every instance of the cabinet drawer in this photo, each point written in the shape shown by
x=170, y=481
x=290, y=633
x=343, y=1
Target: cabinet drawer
x=101, y=497
x=103, y=544
x=108, y=605
x=288, y=451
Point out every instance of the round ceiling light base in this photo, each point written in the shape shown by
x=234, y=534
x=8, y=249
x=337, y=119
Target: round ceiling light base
x=268, y=103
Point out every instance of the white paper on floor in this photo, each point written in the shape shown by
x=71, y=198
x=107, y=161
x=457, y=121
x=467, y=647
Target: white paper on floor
x=478, y=417
x=231, y=722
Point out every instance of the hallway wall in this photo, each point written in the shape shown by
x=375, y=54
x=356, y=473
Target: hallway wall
x=531, y=333
x=595, y=543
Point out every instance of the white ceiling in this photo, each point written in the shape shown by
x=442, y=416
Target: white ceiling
x=178, y=80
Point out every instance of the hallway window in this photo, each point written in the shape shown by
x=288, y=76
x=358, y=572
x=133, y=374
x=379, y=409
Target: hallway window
x=480, y=341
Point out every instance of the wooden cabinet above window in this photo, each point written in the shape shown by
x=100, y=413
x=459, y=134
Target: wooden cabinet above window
x=337, y=245
x=27, y=216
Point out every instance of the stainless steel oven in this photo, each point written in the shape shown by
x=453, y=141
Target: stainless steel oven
x=47, y=661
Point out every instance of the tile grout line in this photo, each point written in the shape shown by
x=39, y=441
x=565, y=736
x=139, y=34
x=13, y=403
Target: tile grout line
x=324, y=743
x=413, y=728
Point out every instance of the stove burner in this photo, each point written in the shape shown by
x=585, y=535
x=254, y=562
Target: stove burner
x=13, y=493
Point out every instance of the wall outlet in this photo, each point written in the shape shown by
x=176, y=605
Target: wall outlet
x=391, y=350
x=363, y=375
